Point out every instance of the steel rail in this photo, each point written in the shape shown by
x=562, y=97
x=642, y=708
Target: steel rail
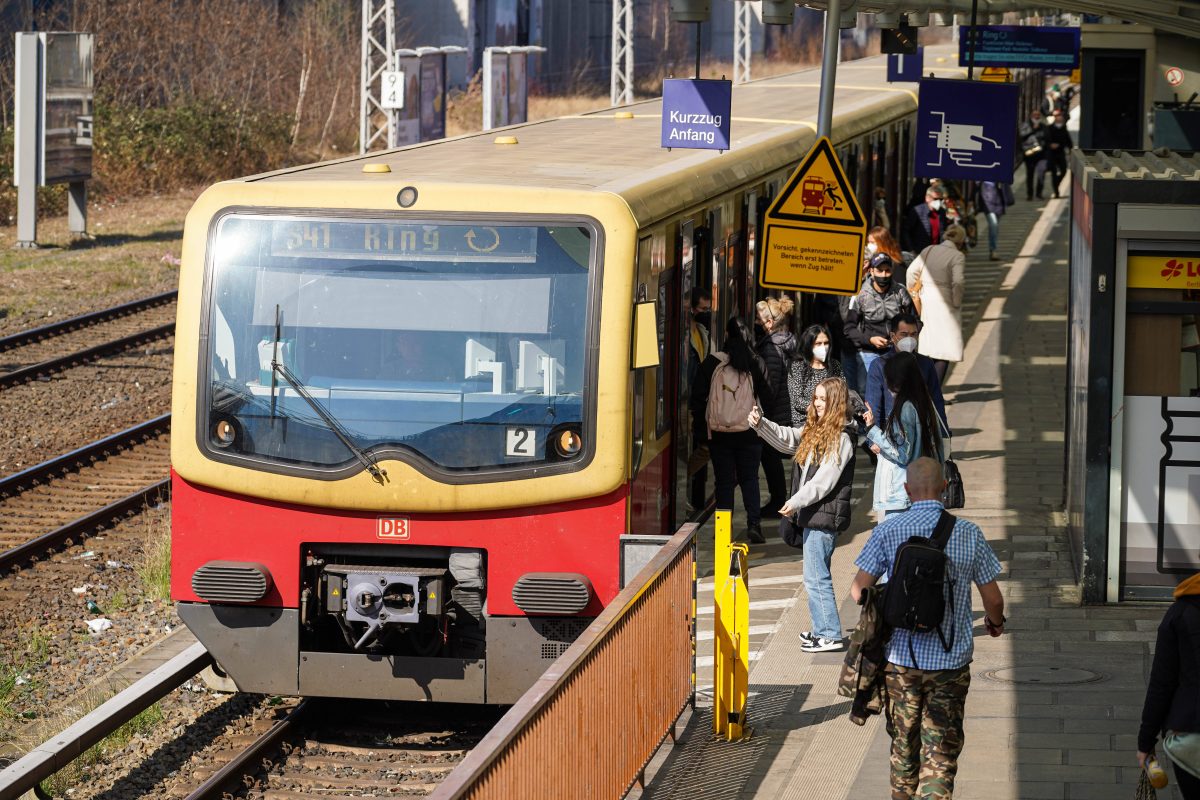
x=250, y=757
x=48, y=758
x=494, y=763
x=53, y=329
x=83, y=356
x=68, y=462
x=86, y=524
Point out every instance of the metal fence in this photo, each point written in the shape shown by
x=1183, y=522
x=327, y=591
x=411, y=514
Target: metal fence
x=591, y=723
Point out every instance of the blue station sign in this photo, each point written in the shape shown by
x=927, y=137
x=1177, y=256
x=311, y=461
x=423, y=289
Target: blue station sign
x=1020, y=46
x=906, y=68
x=695, y=113
x=966, y=130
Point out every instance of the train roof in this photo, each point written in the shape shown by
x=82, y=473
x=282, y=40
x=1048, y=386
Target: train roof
x=773, y=125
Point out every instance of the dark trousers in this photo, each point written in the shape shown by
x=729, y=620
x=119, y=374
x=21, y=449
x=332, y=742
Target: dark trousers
x=1189, y=784
x=773, y=468
x=698, y=489
x=1031, y=163
x=735, y=460
x=940, y=367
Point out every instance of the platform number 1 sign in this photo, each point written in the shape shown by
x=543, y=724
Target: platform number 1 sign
x=391, y=94
x=520, y=442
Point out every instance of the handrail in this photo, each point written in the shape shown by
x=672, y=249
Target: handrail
x=495, y=762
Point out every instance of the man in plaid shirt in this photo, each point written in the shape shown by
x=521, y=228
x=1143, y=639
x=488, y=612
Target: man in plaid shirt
x=928, y=697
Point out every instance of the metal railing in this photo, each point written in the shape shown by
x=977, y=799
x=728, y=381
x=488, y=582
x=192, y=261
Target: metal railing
x=591, y=723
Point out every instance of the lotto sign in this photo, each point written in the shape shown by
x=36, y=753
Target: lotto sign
x=815, y=229
x=395, y=529
x=1164, y=271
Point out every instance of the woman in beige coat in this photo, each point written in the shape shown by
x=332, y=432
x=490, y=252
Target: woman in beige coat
x=935, y=281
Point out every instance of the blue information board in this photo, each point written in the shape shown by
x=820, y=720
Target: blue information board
x=966, y=130
x=906, y=68
x=1020, y=46
x=695, y=113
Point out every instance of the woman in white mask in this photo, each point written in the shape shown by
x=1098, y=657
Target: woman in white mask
x=815, y=363
x=880, y=240
x=939, y=273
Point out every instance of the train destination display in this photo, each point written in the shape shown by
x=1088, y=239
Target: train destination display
x=1020, y=46
x=409, y=241
x=815, y=230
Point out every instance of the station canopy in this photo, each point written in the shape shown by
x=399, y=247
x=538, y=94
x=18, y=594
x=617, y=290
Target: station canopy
x=1180, y=16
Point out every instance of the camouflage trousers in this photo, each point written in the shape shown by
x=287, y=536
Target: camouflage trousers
x=927, y=714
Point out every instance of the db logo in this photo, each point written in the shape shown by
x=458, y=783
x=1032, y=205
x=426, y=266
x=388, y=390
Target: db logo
x=396, y=529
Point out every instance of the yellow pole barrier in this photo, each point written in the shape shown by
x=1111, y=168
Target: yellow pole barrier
x=731, y=623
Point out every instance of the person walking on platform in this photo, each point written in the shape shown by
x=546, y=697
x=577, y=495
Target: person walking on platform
x=1172, y=705
x=928, y=700
x=990, y=199
x=1058, y=145
x=820, y=503
x=729, y=384
x=911, y=431
x=866, y=314
x=1033, y=132
x=698, y=347
x=777, y=348
x=925, y=223
x=937, y=280
x=904, y=331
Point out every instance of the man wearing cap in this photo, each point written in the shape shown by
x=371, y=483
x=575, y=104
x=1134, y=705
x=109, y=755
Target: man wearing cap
x=866, y=314
x=925, y=223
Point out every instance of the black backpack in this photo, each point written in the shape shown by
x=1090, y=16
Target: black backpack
x=914, y=598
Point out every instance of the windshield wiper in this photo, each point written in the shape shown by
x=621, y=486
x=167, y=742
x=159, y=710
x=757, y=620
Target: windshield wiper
x=278, y=368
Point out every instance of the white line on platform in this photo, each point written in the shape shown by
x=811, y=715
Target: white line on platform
x=753, y=630
x=755, y=605
x=776, y=580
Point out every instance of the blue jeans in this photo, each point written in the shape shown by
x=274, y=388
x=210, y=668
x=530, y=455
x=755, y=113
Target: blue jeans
x=850, y=370
x=993, y=229
x=865, y=359
x=822, y=607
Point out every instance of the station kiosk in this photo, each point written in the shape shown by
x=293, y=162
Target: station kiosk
x=1133, y=383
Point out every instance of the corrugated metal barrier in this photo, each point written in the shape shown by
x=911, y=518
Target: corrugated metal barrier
x=591, y=723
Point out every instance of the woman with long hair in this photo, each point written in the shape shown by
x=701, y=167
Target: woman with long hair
x=814, y=363
x=912, y=430
x=880, y=240
x=820, y=503
x=729, y=383
x=777, y=347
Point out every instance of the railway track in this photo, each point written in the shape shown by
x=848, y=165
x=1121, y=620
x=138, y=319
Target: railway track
x=339, y=748
x=70, y=497
x=40, y=352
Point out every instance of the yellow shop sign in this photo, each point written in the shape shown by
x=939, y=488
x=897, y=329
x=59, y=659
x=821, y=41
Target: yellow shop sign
x=1164, y=271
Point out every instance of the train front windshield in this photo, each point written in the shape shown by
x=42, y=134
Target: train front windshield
x=455, y=346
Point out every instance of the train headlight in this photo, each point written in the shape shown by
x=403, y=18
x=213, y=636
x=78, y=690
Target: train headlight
x=568, y=443
x=224, y=433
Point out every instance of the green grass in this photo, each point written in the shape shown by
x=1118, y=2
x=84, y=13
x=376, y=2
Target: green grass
x=154, y=571
x=74, y=773
x=36, y=652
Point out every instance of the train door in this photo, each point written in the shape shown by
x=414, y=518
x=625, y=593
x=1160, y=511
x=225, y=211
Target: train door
x=690, y=333
x=650, y=492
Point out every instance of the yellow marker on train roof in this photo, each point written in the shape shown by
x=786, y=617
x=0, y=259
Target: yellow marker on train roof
x=623, y=115
x=505, y=140
x=376, y=168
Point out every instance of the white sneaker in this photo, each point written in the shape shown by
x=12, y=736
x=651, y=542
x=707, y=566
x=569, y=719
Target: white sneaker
x=807, y=638
x=823, y=645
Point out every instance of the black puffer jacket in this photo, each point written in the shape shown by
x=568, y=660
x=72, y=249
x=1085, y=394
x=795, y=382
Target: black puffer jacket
x=777, y=350
x=1173, y=695
x=831, y=512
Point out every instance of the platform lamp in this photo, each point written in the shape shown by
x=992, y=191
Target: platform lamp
x=917, y=19
x=941, y=18
x=849, y=15
x=778, y=12
x=691, y=10
x=887, y=19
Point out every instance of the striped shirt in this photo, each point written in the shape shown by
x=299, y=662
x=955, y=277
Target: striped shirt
x=970, y=560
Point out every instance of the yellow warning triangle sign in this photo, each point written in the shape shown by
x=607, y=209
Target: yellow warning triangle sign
x=818, y=192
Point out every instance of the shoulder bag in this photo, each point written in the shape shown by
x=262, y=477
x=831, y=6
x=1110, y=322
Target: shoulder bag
x=954, y=495
x=918, y=280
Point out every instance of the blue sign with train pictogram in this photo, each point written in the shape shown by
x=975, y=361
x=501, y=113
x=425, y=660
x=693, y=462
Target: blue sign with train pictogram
x=966, y=130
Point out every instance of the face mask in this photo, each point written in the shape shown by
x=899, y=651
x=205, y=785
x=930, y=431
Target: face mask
x=1060, y=124
x=872, y=248
x=884, y=282
x=704, y=318
x=820, y=352
x=935, y=204
x=907, y=345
